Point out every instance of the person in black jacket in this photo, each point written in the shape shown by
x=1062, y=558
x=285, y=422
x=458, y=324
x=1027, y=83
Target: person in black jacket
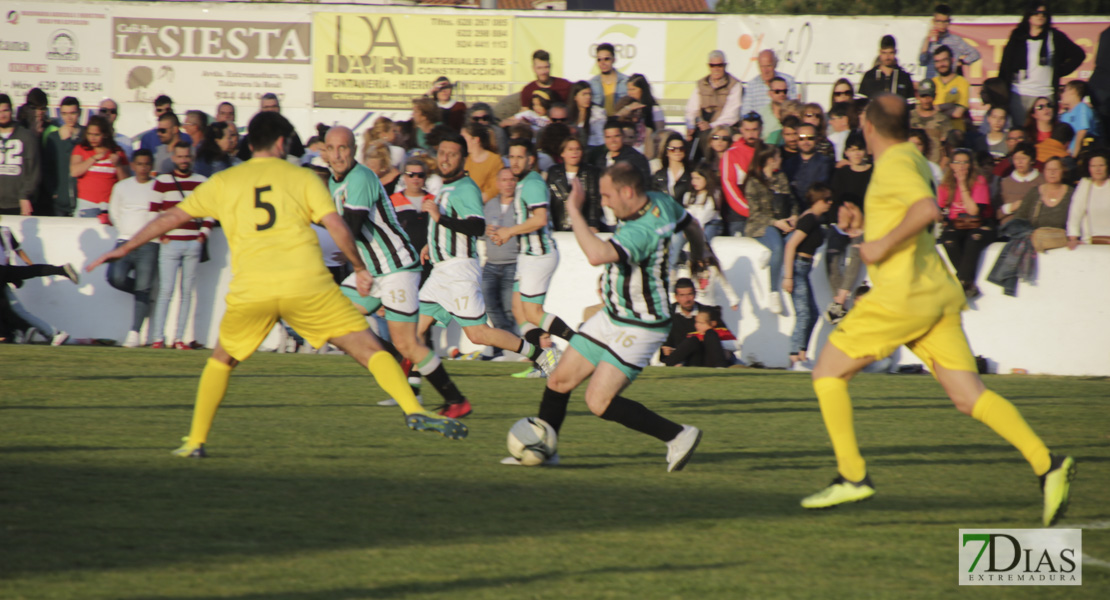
x=1058, y=57
x=559, y=179
x=887, y=76
x=1100, y=82
x=683, y=314
x=616, y=151
x=674, y=178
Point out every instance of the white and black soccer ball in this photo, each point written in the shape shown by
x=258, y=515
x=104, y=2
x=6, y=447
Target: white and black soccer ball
x=532, y=441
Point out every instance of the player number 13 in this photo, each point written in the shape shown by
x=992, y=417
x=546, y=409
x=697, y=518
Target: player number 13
x=266, y=206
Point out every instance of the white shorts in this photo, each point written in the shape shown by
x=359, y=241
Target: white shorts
x=398, y=292
x=453, y=292
x=627, y=347
x=533, y=276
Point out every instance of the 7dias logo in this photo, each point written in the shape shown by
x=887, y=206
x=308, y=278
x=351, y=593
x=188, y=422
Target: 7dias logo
x=1021, y=557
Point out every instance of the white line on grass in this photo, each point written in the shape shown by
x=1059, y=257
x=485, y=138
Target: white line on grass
x=1089, y=560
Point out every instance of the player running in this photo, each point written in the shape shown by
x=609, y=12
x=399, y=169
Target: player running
x=618, y=342
x=538, y=254
x=453, y=291
x=266, y=206
x=915, y=301
x=392, y=260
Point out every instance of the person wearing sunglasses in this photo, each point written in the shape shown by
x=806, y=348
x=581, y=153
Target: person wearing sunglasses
x=887, y=75
x=169, y=133
x=557, y=88
x=715, y=101
x=926, y=116
x=149, y=141
x=1041, y=120
x=757, y=90
x=609, y=85
x=1056, y=56
x=110, y=110
x=773, y=113
x=482, y=113
x=962, y=52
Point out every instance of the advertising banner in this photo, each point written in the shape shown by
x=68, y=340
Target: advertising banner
x=201, y=59
x=384, y=60
x=56, y=47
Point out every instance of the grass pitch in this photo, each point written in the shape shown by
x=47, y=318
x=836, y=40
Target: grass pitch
x=312, y=492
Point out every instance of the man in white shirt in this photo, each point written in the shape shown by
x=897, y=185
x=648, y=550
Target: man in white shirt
x=129, y=209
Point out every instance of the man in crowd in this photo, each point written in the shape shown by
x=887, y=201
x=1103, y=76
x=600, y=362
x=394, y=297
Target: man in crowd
x=1014, y=138
x=151, y=140
x=914, y=301
x=269, y=103
x=195, y=123
x=614, y=346
x=556, y=87
x=616, y=150
x=953, y=92
x=809, y=166
x=33, y=114
x=225, y=113
x=609, y=85
x=772, y=113
x=130, y=211
x=927, y=117
x=110, y=110
x=683, y=312
x=790, y=136
x=499, y=272
x=734, y=172
x=19, y=163
x=757, y=91
x=58, y=190
x=16, y=321
x=887, y=76
x=715, y=101
x=169, y=134
x=965, y=53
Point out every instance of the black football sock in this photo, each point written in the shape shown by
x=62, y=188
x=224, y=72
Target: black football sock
x=533, y=335
x=553, y=408
x=556, y=326
x=441, y=381
x=634, y=415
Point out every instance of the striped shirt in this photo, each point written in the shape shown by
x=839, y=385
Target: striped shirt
x=461, y=199
x=635, y=286
x=383, y=244
x=171, y=189
x=532, y=193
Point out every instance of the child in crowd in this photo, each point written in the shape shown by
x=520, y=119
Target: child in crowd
x=797, y=264
x=845, y=267
x=703, y=347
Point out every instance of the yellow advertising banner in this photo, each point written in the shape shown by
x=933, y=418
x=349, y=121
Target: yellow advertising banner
x=383, y=61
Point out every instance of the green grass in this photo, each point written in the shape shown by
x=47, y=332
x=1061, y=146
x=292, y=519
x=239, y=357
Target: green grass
x=312, y=492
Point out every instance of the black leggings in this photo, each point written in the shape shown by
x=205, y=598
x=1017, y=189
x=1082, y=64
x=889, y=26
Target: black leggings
x=17, y=275
x=964, y=247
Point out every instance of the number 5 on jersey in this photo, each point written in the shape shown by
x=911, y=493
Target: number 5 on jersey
x=266, y=206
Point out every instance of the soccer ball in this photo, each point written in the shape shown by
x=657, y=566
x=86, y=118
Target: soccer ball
x=532, y=441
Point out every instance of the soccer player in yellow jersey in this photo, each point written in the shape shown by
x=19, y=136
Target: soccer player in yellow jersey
x=265, y=207
x=914, y=301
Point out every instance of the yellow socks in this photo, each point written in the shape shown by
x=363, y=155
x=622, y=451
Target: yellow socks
x=210, y=392
x=836, y=408
x=392, y=379
x=996, y=412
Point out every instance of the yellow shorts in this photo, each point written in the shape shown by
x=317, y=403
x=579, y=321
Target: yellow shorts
x=316, y=317
x=871, y=330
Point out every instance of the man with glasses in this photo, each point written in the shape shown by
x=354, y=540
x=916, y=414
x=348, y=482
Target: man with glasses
x=771, y=113
x=480, y=112
x=962, y=53
x=809, y=166
x=714, y=102
x=556, y=87
x=150, y=141
x=169, y=134
x=757, y=91
x=609, y=85
x=887, y=76
x=110, y=110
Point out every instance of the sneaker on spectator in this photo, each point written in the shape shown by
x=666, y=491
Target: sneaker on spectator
x=158, y=345
x=774, y=303
x=835, y=312
x=59, y=338
x=132, y=340
x=72, y=273
x=30, y=334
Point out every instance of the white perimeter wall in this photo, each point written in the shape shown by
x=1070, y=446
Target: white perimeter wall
x=1059, y=326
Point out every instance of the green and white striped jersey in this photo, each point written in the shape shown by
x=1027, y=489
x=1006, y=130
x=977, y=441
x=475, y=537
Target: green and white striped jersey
x=532, y=193
x=383, y=244
x=460, y=199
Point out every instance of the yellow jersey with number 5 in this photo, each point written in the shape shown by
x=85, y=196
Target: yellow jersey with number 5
x=266, y=207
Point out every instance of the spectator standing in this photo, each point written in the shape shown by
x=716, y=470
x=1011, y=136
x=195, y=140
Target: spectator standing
x=425, y=115
x=1089, y=214
x=195, y=124
x=408, y=203
x=169, y=134
x=560, y=178
x=933, y=122
x=735, y=167
x=33, y=114
x=376, y=156
x=887, y=76
x=1078, y=114
x=1014, y=137
x=1100, y=82
x=965, y=198
x=961, y=52
x=480, y=112
x=789, y=146
x=97, y=164
x=150, y=140
x=454, y=112
x=217, y=153
x=772, y=113
x=181, y=248
x=772, y=209
x=808, y=167
x=609, y=85
x=499, y=271
x=225, y=113
x=843, y=91
x=797, y=264
x=1023, y=178
x=136, y=273
x=587, y=118
x=714, y=102
x=294, y=148
x=1035, y=58
x=952, y=90
x=20, y=164
x=110, y=110
x=482, y=164
x=557, y=88
x=757, y=89
x=58, y=184
x=994, y=140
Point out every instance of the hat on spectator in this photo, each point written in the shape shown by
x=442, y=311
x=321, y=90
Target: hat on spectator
x=717, y=54
x=927, y=88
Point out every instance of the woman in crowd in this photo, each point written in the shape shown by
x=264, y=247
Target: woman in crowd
x=535, y=117
x=703, y=201
x=842, y=92
x=1089, y=215
x=797, y=265
x=482, y=164
x=559, y=178
x=587, y=118
x=376, y=157
x=674, y=177
x=924, y=144
x=549, y=144
x=1035, y=58
x=482, y=113
x=765, y=182
x=1047, y=204
x=969, y=228
x=994, y=140
x=1013, y=188
x=814, y=114
x=97, y=163
x=720, y=138
x=454, y=112
x=642, y=111
x=425, y=115
x=1041, y=120
x=385, y=130
x=218, y=150
x=849, y=186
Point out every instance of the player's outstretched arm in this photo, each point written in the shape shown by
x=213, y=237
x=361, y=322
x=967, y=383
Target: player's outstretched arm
x=167, y=221
x=597, y=250
x=699, y=248
x=920, y=215
x=341, y=235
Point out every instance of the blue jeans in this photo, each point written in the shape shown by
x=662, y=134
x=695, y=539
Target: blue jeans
x=713, y=229
x=772, y=239
x=497, y=289
x=805, y=306
x=174, y=255
x=734, y=228
x=136, y=274
x=678, y=240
